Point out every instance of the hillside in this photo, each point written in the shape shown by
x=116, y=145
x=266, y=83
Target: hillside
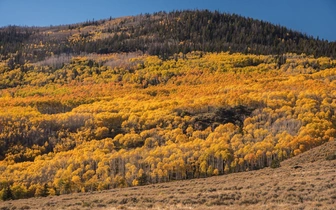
x=163, y=34
x=119, y=120
x=75, y=117
x=308, y=183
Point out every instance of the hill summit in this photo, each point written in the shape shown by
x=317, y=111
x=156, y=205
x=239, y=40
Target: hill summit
x=163, y=34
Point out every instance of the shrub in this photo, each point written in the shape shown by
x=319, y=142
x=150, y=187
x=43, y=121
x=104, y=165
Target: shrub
x=275, y=164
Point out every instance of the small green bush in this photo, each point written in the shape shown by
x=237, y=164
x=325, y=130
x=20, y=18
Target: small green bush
x=275, y=164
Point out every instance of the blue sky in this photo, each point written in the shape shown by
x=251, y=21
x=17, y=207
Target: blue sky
x=313, y=17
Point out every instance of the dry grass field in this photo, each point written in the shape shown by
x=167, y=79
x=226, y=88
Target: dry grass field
x=307, y=181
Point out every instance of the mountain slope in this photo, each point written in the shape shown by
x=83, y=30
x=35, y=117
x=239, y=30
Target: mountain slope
x=309, y=185
x=75, y=117
x=107, y=121
x=163, y=34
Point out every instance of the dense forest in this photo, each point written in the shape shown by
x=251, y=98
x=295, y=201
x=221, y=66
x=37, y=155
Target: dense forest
x=126, y=102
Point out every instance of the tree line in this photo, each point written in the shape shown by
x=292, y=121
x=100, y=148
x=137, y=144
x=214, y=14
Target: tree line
x=163, y=34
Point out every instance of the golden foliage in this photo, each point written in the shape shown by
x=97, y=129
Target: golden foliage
x=104, y=121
